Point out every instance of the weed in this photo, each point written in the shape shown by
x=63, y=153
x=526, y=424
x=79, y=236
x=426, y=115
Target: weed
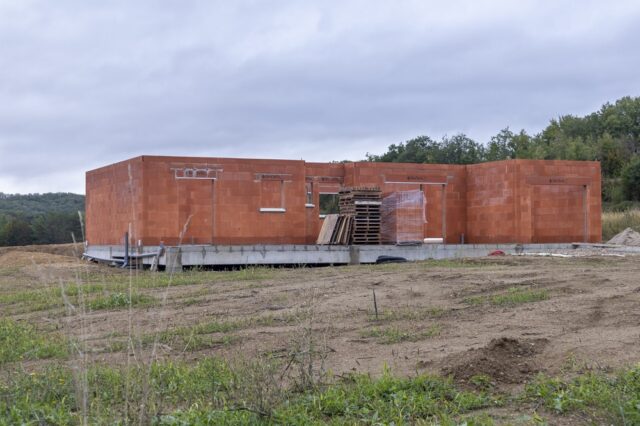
x=308, y=350
x=516, y=296
x=475, y=300
x=482, y=382
x=120, y=300
x=191, y=301
x=47, y=298
x=22, y=342
x=212, y=391
x=116, y=346
x=391, y=335
x=231, y=325
x=195, y=337
x=409, y=313
x=612, y=400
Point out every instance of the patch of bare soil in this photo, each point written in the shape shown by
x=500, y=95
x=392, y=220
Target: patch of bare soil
x=504, y=360
x=16, y=258
x=72, y=250
x=435, y=317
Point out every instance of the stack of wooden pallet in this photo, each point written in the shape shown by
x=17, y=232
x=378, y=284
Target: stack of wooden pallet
x=362, y=205
x=358, y=221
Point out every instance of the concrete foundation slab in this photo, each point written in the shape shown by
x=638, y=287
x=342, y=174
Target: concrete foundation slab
x=176, y=257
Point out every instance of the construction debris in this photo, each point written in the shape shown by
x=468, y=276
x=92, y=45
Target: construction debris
x=336, y=229
x=328, y=226
x=628, y=237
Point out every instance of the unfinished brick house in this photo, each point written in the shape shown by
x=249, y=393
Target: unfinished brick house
x=229, y=201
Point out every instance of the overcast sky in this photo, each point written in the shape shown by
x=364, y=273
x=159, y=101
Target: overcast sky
x=87, y=83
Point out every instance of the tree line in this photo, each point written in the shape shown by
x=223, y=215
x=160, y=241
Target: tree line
x=610, y=135
x=40, y=218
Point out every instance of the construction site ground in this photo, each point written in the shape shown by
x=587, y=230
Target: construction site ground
x=506, y=318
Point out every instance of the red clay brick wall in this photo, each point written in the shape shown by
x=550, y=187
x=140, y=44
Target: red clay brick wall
x=114, y=202
x=509, y=201
x=227, y=210
x=558, y=201
x=534, y=201
x=438, y=182
x=491, y=203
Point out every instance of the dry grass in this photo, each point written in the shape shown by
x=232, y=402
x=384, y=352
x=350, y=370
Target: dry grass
x=615, y=222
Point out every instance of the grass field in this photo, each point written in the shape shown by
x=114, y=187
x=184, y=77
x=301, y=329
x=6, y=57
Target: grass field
x=512, y=340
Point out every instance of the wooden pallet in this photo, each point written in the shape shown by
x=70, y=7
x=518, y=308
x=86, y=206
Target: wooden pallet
x=342, y=231
x=363, y=205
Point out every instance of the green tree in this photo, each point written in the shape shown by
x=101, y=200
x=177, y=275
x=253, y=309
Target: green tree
x=460, y=149
x=612, y=155
x=500, y=147
x=421, y=149
x=622, y=119
x=56, y=228
x=631, y=179
x=16, y=232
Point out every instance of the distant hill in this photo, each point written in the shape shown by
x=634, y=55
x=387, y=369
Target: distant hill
x=40, y=218
x=32, y=205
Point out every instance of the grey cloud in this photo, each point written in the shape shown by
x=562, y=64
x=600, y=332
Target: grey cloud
x=84, y=84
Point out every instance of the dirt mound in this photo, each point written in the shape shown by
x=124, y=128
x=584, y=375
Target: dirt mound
x=504, y=360
x=17, y=258
x=74, y=250
x=628, y=237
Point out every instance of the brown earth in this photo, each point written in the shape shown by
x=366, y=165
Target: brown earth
x=73, y=250
x=590, y=318
x=23, y=258
x=503, y=360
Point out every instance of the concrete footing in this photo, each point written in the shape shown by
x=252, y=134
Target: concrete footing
x=174, y=258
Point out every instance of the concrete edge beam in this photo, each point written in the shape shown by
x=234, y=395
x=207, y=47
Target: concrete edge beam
x=264, y=254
